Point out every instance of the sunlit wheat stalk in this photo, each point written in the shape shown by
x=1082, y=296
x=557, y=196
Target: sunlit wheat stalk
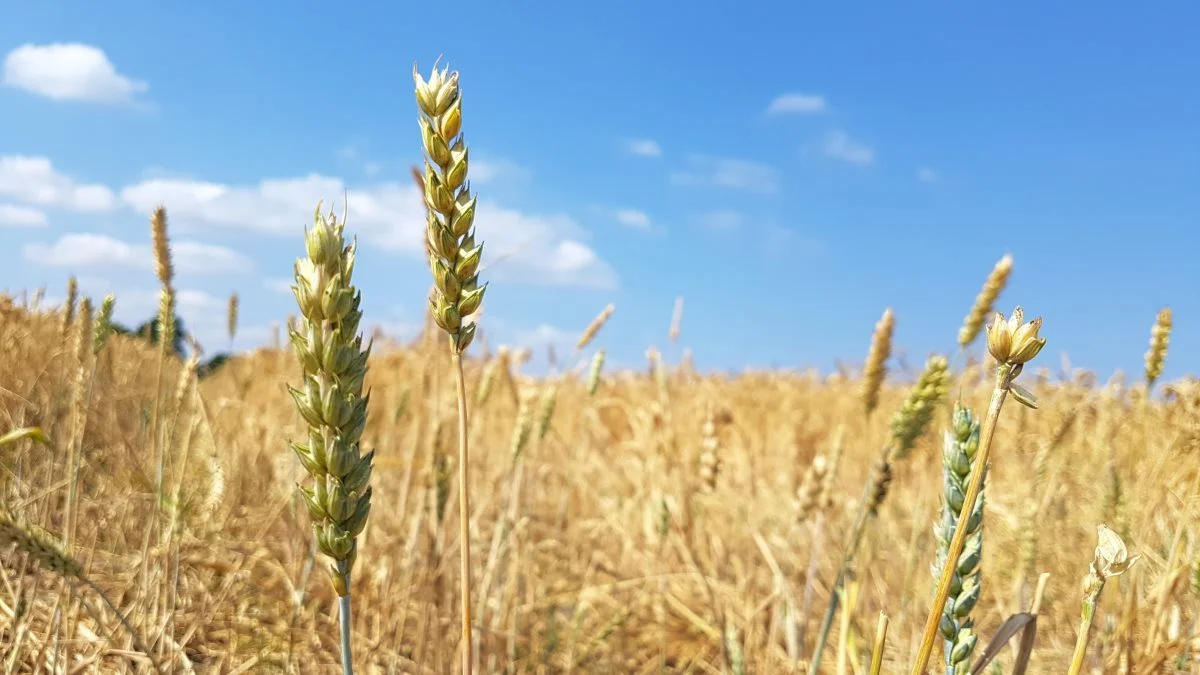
x=330, y=399
x=454, y=260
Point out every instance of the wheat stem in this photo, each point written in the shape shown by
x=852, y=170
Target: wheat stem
x=464, y=515
x=1004, y=375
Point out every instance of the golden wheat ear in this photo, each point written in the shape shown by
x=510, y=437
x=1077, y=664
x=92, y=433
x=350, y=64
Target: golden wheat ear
x=454, y=258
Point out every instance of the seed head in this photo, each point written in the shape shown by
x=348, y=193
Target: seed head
x=72, y=298
x=914, y=415
x=231, y=316
x=1013, y=341
x=876, y=365
x=992, y=288
x=676, y=320
x=593, y=381
x=594, y=327
x=330, y=398
x=104, y=326
x=1160, y=337
x=453, y=254
x=163, y=268
x=1112, y=556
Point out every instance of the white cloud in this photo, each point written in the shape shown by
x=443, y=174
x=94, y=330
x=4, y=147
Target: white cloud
x=372, y=168
x=12, y=215
x=97, y=250
x=542, y=249
x=539, y=337
x=779, y=240
x=633, y=218
x=279, y=285
x=69, y=72
x=35, y=180
x=487, y=171
x=839, y=145
x=193, y=257
x=790, y=104
x=722, y=220
x=928, y=175
x=724, y=172
x=644, y=147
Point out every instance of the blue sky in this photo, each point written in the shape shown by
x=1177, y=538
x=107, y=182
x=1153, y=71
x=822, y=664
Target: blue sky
x=789, y=169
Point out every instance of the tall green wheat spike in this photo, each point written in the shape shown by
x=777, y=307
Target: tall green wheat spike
x=331, y=401
x=959, y=450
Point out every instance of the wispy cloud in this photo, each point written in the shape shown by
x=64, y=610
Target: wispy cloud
x=797, y=104
x=69, y=72
x=643, y=147
x=12, y=215
x=729, y=173
x=927, y=174
x=82, y=250
x=491, y=170
x=537, y=249
x=725, y=219
x=278, y=285
x=633, y=218
x=779, y=240
x=839, y=145
x=34, y=180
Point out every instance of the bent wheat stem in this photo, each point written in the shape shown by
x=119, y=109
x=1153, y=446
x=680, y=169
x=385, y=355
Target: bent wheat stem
x=1013, y=343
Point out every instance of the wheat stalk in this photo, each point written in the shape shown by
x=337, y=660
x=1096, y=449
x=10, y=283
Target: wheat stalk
x=1013, y=343
x=330, y=398
x=908, y=423
x=1111, y=559
x=41, y=547
x=454, y=258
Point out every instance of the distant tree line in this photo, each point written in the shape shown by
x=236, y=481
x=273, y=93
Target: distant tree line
x=150, y=331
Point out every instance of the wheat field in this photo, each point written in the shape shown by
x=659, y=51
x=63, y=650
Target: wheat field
x=660, y=521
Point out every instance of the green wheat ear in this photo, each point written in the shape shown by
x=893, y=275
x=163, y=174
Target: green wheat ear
x=959, y=449
x=453, y=253
x=330, y=398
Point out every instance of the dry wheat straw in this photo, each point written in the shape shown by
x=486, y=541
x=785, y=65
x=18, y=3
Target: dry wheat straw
x=330, y=398
x=878, y=645
x=165, y=271
x=1156, y=356
x=1013, y=343
x=454, y=260
x=41, y=547
x=992, y=287
x=908, y=423
x=84, y=342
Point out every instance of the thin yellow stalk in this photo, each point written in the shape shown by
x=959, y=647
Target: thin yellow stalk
x=880, y=641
